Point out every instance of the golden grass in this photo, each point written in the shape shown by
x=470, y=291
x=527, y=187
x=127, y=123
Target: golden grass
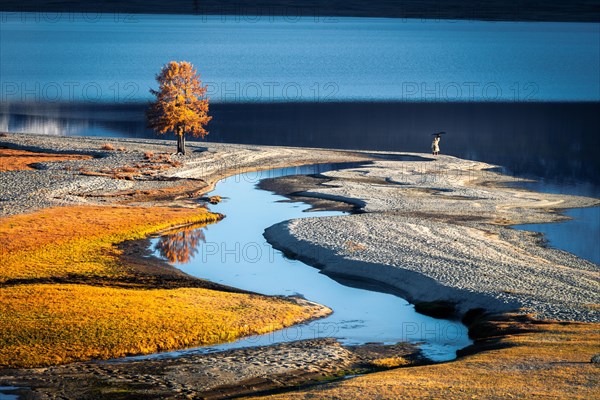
x=42, y=323
x=550, y=362
x=52, y=324
x=354, y=247
x=390, y=362
x=18, y=160
x=126, y=172
x=62, y=241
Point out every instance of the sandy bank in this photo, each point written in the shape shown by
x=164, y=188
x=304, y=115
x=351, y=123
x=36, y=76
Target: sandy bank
x=437, y=230
x=216, y=375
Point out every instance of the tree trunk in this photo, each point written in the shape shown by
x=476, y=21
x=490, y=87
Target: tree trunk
x=181, y=144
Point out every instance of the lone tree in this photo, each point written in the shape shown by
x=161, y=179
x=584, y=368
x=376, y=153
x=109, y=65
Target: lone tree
x=180, y=105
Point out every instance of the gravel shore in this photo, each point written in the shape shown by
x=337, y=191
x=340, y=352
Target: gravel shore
x=74, y=182
x=438, y=231
x=214, y=375
x=433, y=229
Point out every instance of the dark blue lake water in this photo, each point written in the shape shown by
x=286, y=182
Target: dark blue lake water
x=105, y=57
x=581, y=234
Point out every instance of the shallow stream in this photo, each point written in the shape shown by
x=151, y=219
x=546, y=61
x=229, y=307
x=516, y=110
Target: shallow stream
x=234, y=252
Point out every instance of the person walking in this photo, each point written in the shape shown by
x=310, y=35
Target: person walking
x=435, y=145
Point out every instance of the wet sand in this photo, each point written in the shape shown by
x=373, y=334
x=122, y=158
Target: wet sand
x=253, y=370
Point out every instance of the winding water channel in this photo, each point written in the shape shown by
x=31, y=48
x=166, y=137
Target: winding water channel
x=234, y=252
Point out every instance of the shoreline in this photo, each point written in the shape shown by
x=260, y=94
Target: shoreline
x=333, y=187
x=461, y=182
x=339, y=125
x=133, y=255
x=489, y=244
x=192, y=176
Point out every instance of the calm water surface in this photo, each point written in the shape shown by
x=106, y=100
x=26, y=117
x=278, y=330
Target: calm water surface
x=106, y=57
x=234, y=252
x=581, y=234
x=6, y=393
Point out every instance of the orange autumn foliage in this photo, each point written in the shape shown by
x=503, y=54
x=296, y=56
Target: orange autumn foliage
x=182, y=245
x=21, y=160
x=180, y=106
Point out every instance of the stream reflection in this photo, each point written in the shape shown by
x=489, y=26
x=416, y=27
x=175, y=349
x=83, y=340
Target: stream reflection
x=182, y=245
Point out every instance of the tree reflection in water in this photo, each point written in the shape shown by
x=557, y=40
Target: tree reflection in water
x=181, y=245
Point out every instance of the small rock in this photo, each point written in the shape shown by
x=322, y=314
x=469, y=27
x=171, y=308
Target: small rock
x=595, y=359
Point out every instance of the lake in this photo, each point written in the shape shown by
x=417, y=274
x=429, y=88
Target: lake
x=114, y=57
